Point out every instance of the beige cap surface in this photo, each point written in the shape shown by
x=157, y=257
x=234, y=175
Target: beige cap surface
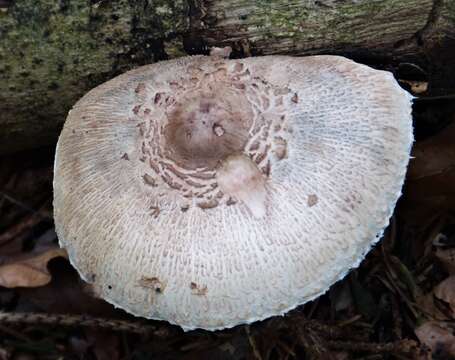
x=211, y=192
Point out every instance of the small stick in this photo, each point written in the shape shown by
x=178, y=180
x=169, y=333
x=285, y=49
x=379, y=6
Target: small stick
x=24, y=206
x=25, y=223
x=14, y=333
x=256, y=353
x=430, y=98
x=20, y=227
x=402, y=346
x=329, y=331
x=81, y=320
x=349, y=321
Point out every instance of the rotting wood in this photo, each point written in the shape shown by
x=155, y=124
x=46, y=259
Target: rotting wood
x=51, y=52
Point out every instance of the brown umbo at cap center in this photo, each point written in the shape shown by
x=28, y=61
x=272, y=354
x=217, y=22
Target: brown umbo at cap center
x=204, y=128
x=210, y=192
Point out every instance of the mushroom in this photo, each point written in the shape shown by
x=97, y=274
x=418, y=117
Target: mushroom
x=211, y=192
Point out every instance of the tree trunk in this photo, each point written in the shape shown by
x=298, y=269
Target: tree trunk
x=52, y=52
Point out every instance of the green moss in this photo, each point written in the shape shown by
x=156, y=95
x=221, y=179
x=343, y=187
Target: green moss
x=303, y=22
x=55, y=51
x=449, y=11
x=174, y=47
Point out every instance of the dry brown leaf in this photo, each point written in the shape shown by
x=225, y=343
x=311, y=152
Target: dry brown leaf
x=433, y=156
x=427, y=304
x=447, y=259
x=446, y=292
x=71, y=299
x=438, y=337
x=417, y=87
x=429, y=186
x=30, y=270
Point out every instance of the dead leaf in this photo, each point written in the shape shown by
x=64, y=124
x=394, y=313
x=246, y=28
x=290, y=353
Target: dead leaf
x=429, y=186
x=29, y=270
x=447, y=259
x=434, y=155
x=427, y=304
x=417, y=87
x=438, y=336
x=445, y=291
x=70, y=298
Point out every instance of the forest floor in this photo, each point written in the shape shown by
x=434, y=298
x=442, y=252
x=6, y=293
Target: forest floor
x=399, y=304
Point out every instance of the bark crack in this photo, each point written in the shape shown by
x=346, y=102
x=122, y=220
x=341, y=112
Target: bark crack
x=433, y=18
x=420, y=36
x=193, y=42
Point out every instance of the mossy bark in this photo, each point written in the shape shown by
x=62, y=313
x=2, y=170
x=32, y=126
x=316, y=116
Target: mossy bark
x=52, y=52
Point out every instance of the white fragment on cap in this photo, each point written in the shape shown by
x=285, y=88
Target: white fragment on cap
x=239, y=177
x=210, y=192
x=223, y=52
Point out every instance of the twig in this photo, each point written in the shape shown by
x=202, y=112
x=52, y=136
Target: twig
x=329, y=331
x=326, y=331
x=24, y=206
x=350, y=321
x=19, y=228
x=314, y=305
x=289, y=350
x=402, y=346
x=15, y=334
x=82, y=320
x=430, y=98
x=390, y=273
x=25, y=224
x=256, y=353
x=318, y=348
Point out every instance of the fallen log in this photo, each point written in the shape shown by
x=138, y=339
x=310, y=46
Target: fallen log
x=52, y=52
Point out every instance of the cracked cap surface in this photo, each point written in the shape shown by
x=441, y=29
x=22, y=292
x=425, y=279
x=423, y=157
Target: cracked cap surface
x=211, y=192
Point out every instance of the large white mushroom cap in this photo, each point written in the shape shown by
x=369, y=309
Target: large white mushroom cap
x=211, y=192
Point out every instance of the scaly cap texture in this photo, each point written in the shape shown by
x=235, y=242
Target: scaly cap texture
x=211, y=192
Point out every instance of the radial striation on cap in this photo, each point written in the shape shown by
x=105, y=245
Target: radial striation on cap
x=210, y=192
